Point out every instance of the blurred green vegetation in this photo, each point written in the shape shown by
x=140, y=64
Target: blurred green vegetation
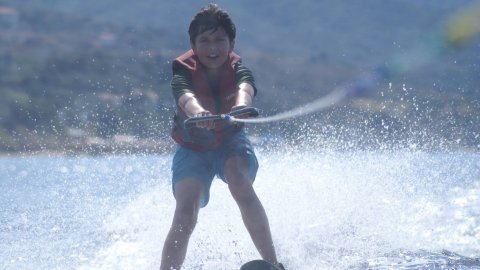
x=65, y=78
x=60, y=73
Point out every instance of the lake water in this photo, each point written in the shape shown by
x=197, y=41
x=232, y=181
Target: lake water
x=328, y=210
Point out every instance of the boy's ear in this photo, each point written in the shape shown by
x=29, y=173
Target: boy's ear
x=232, y=45
x=192, y=45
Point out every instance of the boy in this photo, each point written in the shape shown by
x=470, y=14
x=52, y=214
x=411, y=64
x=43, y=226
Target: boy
x=210, y=79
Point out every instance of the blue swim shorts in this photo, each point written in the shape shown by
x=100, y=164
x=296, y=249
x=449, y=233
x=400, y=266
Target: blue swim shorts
x=204, y=166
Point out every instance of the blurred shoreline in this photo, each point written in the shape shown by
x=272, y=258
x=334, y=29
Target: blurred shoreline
x=130, y=145
x=95, y=146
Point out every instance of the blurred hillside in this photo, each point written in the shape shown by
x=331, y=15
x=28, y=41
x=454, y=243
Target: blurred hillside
x=94, y=75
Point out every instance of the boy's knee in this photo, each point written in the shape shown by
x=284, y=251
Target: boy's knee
x=241, y=190
x=186, y=215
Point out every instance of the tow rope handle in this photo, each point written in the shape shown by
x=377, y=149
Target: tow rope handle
x=227, y=117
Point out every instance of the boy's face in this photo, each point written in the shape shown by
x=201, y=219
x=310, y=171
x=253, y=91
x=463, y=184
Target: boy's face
x=213, y=47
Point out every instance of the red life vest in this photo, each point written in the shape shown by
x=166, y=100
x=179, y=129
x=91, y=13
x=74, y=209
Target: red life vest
x=216, y=103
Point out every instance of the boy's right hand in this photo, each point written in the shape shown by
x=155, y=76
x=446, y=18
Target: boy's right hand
x=208, y=124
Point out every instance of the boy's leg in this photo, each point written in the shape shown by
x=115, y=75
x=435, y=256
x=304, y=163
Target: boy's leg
x=188, y=193
x=253, y=214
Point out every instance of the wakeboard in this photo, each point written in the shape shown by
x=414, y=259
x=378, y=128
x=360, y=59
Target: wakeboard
x=259, y=265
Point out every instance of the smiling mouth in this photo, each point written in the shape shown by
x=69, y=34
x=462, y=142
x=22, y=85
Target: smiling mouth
x=212, y=56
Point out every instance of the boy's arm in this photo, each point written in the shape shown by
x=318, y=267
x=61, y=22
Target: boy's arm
x=246, y=86
x=184, y=96
x=190, y=105
x=182, y=91
x=244, y=96
x=192, y=108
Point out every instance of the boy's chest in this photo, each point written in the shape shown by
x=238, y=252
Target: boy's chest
x=213, y=79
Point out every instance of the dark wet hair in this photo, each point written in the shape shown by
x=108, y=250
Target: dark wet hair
x=211, y=17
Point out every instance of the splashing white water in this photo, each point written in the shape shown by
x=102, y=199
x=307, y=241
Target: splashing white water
x=327, y=211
